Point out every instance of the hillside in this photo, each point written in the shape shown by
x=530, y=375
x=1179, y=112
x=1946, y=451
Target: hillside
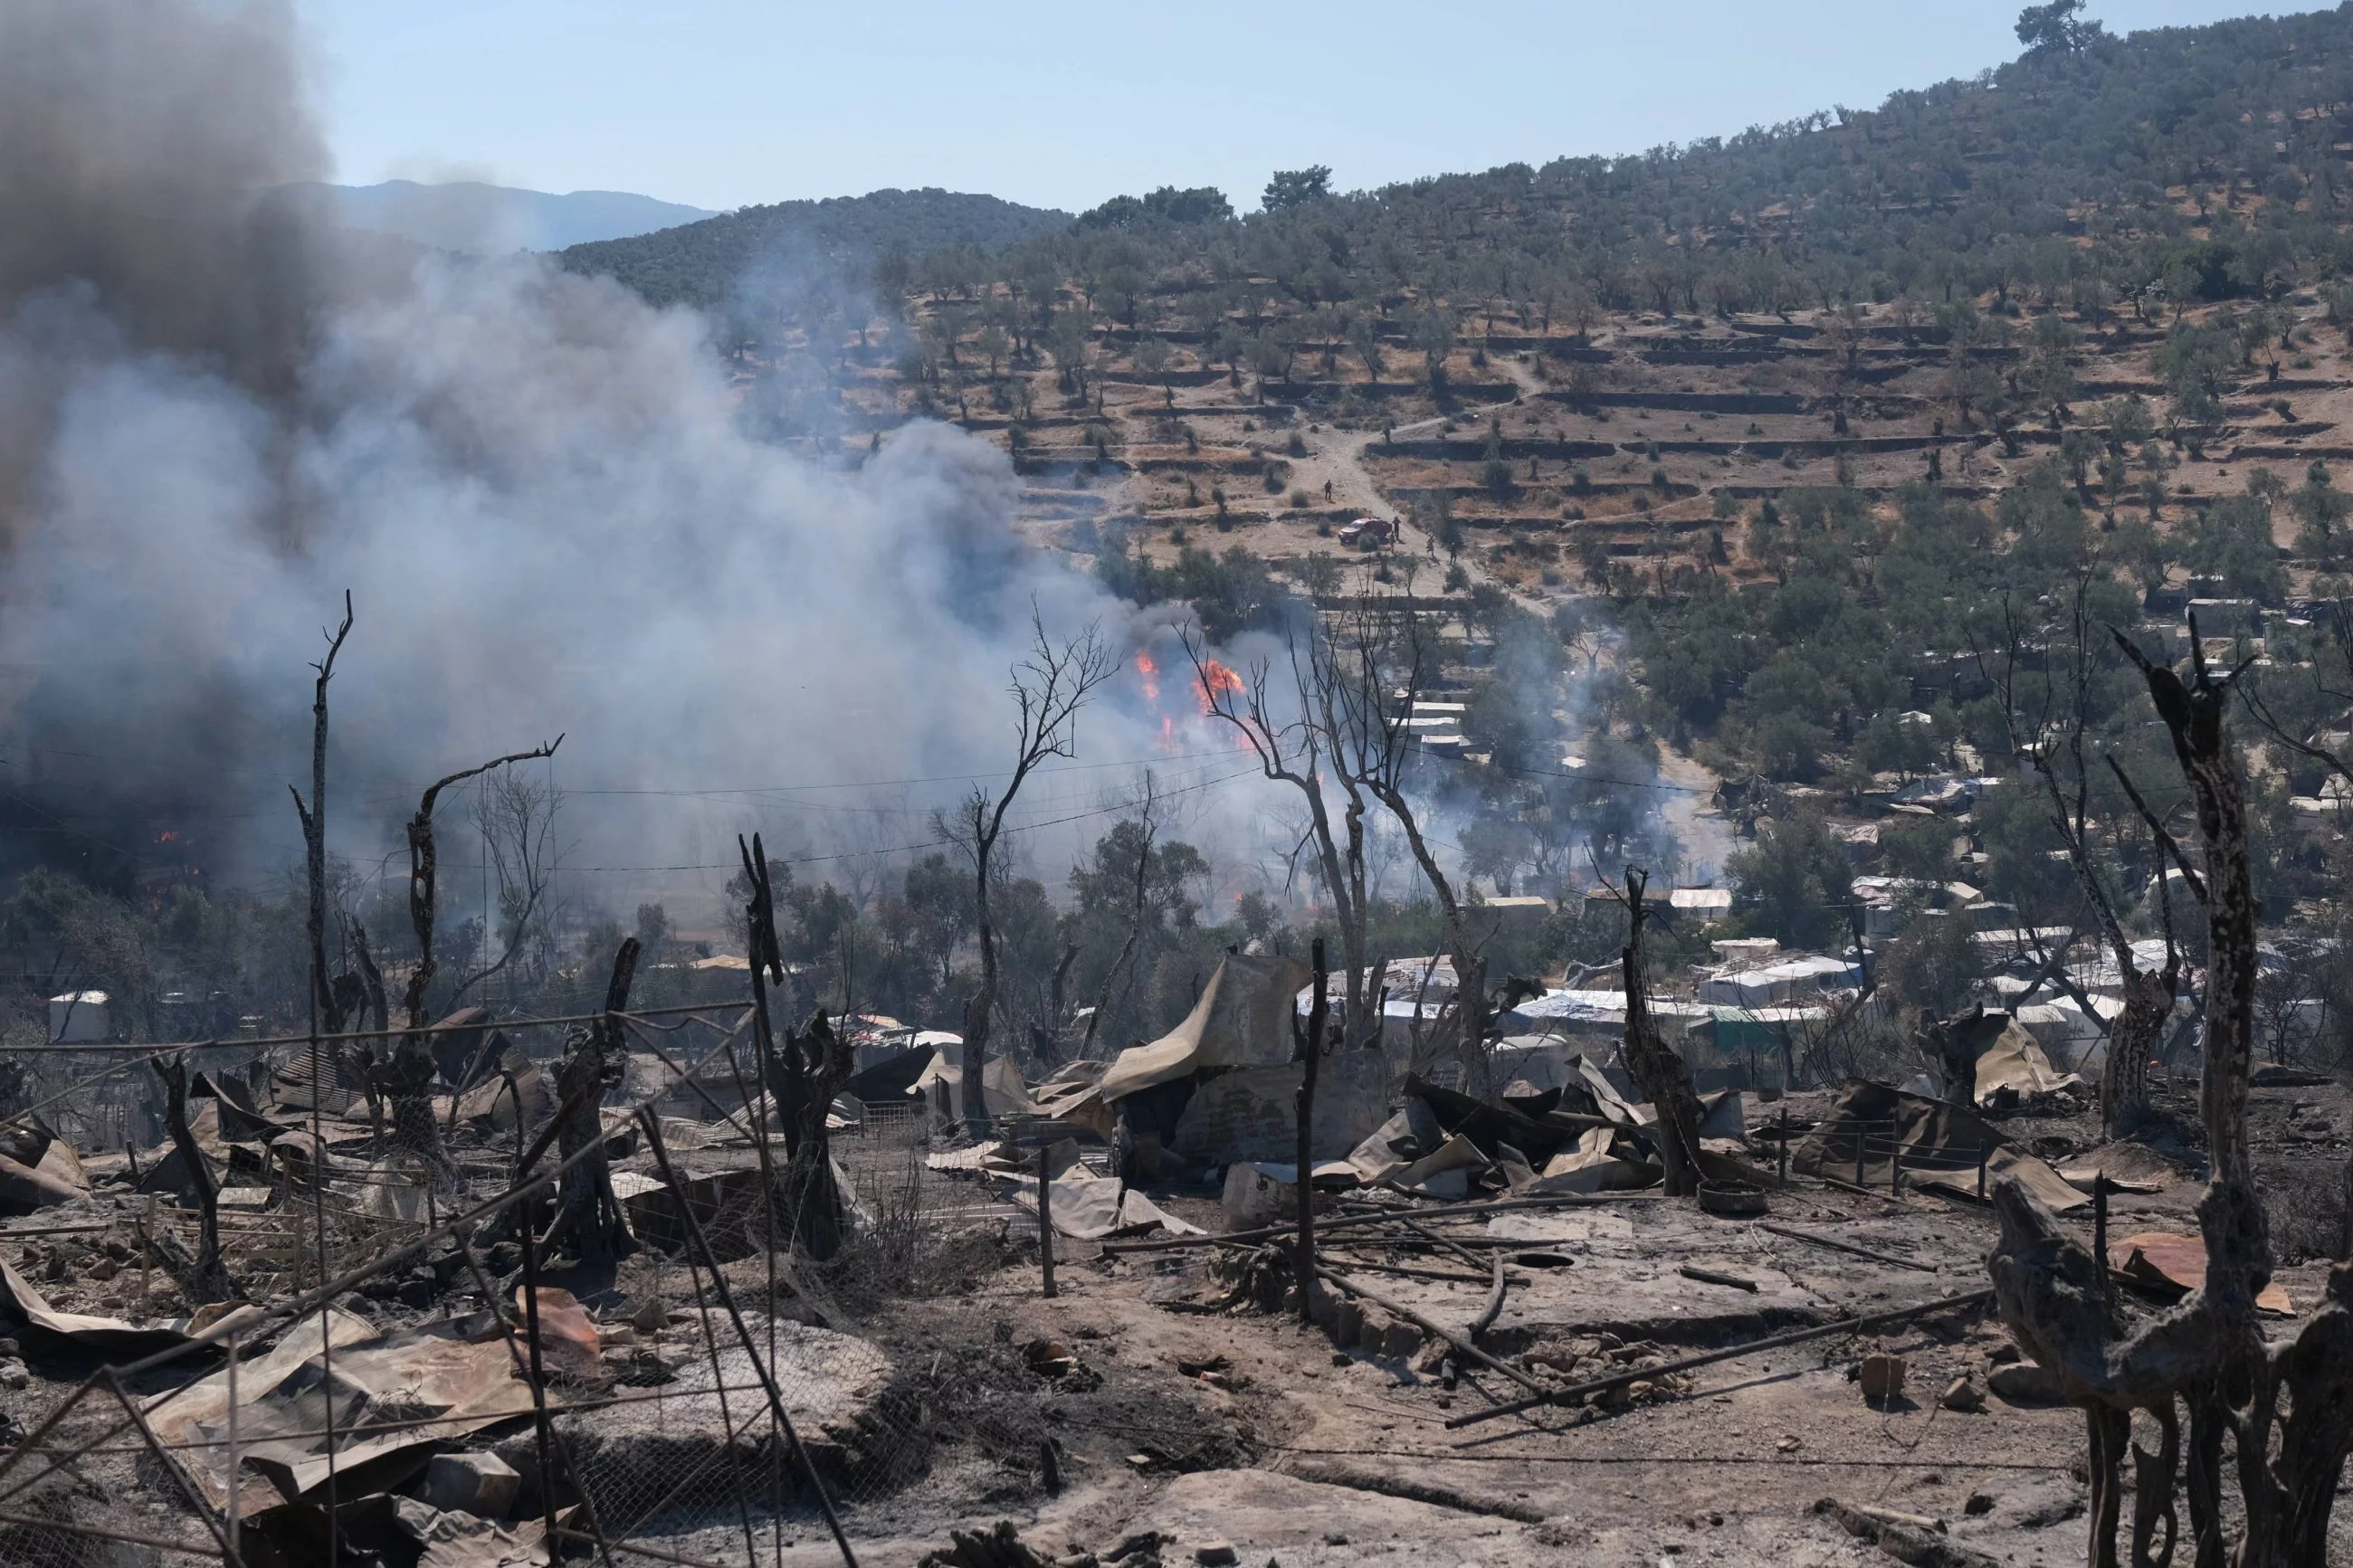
x=1778, y=437
x=468, y=216
x=701, y=264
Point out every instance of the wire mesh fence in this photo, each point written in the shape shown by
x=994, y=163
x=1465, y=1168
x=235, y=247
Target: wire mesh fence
x=724, y=1395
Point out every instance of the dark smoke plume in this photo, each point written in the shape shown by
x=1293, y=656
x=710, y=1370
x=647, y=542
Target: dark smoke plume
x=216, y=415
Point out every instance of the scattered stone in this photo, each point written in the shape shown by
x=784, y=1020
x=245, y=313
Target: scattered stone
x=1216, y=1555
x=651, y=1319
x=1050, y=1358
x=10, y=1351
x=13, y=1375
x=1963, y=1394
x=2024, y=1383
x=2002, y=1354
x=1979, y=1505
x=1883, y=1377
x=105, y=1268
x=619, y=1334
x=480, y=1484
x=1400, y=1339
x=1789, y=1445
x=1193, y=1366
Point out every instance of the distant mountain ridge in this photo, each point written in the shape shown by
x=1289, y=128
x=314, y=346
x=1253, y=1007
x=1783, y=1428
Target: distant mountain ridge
x=469, y=216
x=700, y=263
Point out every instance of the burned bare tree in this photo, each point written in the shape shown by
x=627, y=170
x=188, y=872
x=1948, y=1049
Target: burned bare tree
x=1381, y=656
x=313, y=815
x=2205, y=1356
x=517, y=816
x=1345, y=742
x=1664, y=1078
x=585, y=1209
x=1302, y=748
x=2057, y=730
x=1049, y=688
x=405, y=1077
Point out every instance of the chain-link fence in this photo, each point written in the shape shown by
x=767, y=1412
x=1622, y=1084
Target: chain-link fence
x=705, y=1412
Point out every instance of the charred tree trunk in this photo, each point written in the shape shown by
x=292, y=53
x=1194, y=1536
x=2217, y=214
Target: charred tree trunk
x=2124, y=1082
x=379, y=1007
x=585, y=1207
x=324, y=998
x=207, y=1279
x=801, y=1077
x=804, y=1074
x=1663, y=1076
x=2206, y=1353
x=1309, y=1043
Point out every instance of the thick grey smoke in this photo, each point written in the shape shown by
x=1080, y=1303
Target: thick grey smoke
x=216, y=415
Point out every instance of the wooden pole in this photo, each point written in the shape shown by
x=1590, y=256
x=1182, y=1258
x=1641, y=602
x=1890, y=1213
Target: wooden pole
x=1046, y=1224
x=1311, y=1053
x=233, y=1456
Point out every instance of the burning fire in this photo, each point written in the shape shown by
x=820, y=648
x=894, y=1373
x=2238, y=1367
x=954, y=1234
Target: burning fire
x=1217, y=681
x=167, y=836
x=1149, y=670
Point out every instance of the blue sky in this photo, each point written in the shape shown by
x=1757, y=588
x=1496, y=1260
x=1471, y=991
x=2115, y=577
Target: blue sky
x=722, y=103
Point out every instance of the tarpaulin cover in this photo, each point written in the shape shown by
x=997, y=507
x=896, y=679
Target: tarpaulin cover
x=1088, y=1207
x=38, y=1168
x=1940, y=1143
x=2016, y=1063
x=1169, y=1057
x=1252, y=1114
x=2168, y=1258
x=892, y=1077
x=1242, y=1019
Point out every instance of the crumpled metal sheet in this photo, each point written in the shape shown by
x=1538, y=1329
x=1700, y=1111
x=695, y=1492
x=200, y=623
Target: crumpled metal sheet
x=396, y=1400
x=114, y=1336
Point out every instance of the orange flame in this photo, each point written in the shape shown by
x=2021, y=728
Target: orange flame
x=167, y=836
x=1149, y=672
x=1217, y=681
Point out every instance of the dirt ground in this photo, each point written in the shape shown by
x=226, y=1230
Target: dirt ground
x=1292, y=1452
x=1177, y=1411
